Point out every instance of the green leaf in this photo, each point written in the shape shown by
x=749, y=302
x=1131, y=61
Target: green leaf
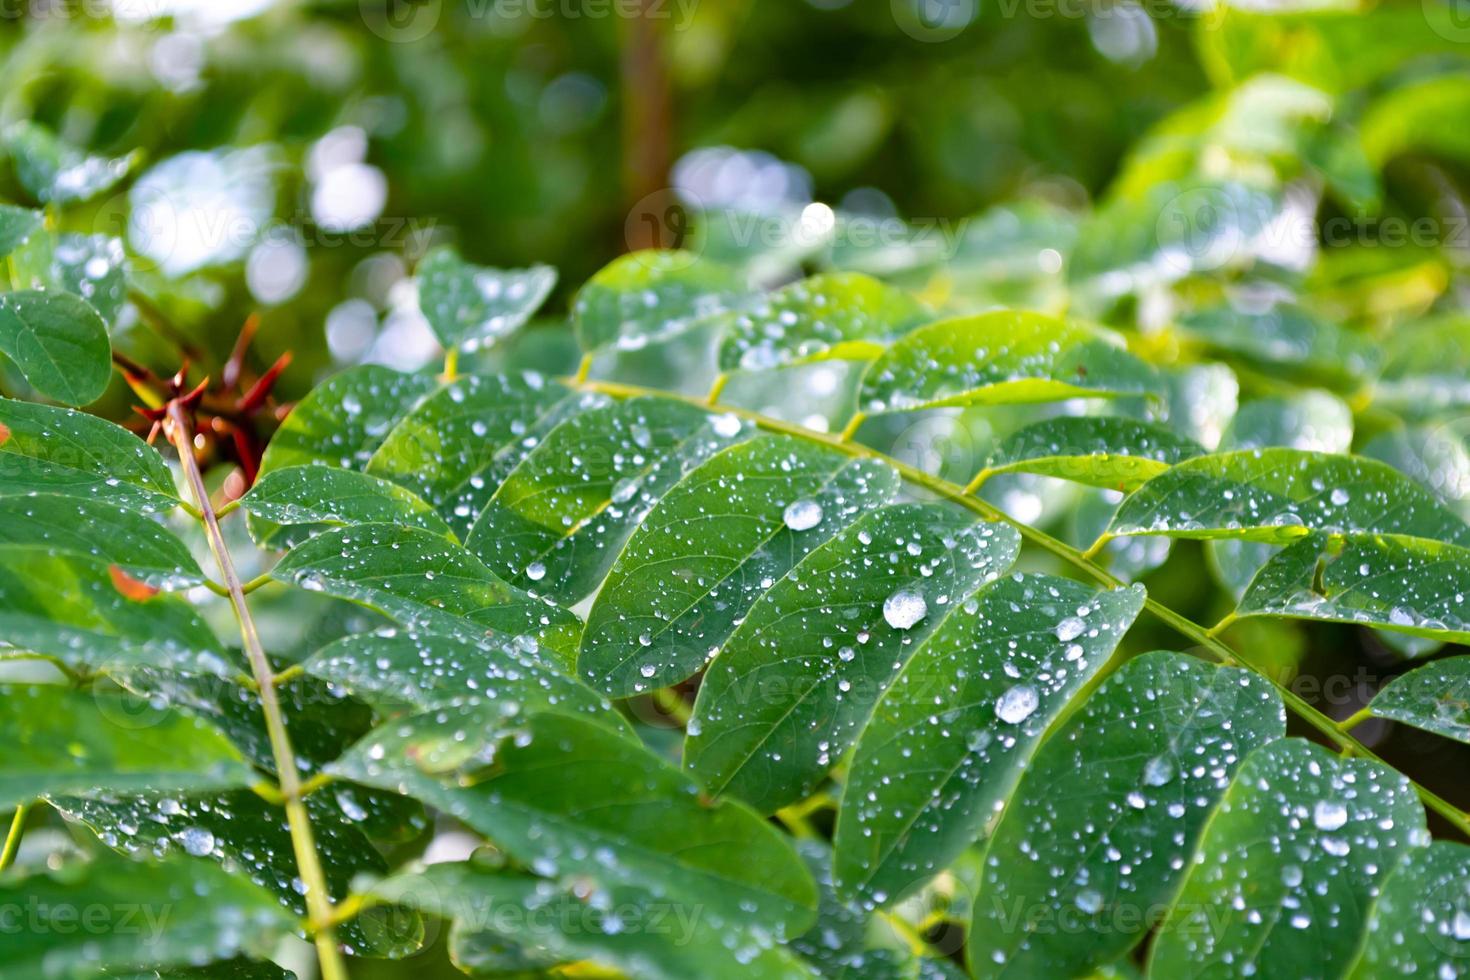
x=345, y=418
x=1102, y=828
x=236, y=969
x=710, y=548
x=422, y=580
x=89, y=266
x=16, y=225
x=1287, y=866
x=246, y=836
x=319, y=494
x=564, y=796
x=457, y=445
x=629, y=929
x=1402, y=584
x=848, y=942
x=1435, y=697
x=1420, y=924
x=972, y=702
x=1279, y=495
x=63, y=742
x=403, y=670
x=57, y=450
x=837, y=315
x=98, y=531
x=1425, y=367
x=648, y=296
x=59, y=343
x=998, y=358
x=57, y=173
x=127, y=915
x=557, y=523
x=796, y=681
x=470, y=306
x=89, y=615
x=1285, y=336
x=1113, y=453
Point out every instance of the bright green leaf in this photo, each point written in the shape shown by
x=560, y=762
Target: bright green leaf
x=1114, y=453
x=345, y=418
x=1420, y=924
x=1288, y=337
x=1435, y=697
x=648, y=296
x=57, y=173
x=326, y=495
x=469, y=306
x=16, y=225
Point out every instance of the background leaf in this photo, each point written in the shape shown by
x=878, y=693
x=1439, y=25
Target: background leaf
x=469, y=306
x=59, y=343
x=1435, y=697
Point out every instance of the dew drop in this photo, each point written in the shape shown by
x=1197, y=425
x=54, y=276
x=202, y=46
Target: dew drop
x=802, y=515
x=1017, y=704
x=904, y=608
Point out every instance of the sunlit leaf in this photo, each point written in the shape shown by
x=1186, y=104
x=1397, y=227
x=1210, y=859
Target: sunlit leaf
x=652, y=295
x=1286, y=337
x=1114, y=453
x=833, y=315
x=345, y=418
x=16, y=225
x=715, y=543
x=469, y=306
x=1001, y=357
x=327, y=495
x=57, y=173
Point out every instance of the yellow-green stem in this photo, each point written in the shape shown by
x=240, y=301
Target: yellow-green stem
x=12, y=839
x=1181, y=624
x=303, y=841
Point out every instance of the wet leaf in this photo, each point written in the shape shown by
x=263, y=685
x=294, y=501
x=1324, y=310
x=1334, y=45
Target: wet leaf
x=326, y=495
x=98, y=531
x=469, y=306
x=57, y=450
x=636, y=932
x=1286, y=337
x=972, y=702
x=66, y=742
x=1435, y=697
x=795, y=683
x=1420, y=924
x=998, y=358
x=1288, y=865
x=558, y=521
x=345, y=418
x=59, y=343
x=57, y=173
x=565, y=797
x=16, y=225
x=1143, y=763
x=840, y=315
x=1278, y=495
x=714, y=544
x=652, y=295
x=1114, y=453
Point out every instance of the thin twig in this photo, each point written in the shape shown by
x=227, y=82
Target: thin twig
x=12, y=839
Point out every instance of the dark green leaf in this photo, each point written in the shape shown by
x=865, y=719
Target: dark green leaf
x=637, y=932
x=469, y=306
x=59, y=343
x=326, y=495
x=98, y=531
x=1285, y=336
x=564, y=796
x=1278, y=495
x=972, y=702
x=1287, y=866
x=457, y=445
x=848, y=943
x=1114, y=453
x=345, y=418
x=1402, y=584
x=558, y=521
x=66, y=742
x=798, y=678
x=652, y=295
x=127, y=915
x=422, y=580
x=1435, y=697
x=1098, y=835
x=1420, y=924
x=398, y=671
x=715, y=543
x=998, y=358
x=57, y=450
x=1313, y=420
x=839, y=315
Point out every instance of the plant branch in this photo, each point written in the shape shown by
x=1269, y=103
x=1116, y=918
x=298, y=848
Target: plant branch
x=1202, y=637
x=303, y=841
